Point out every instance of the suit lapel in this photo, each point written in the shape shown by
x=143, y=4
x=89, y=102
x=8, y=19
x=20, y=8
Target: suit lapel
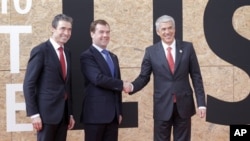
x=55, y=59
x=115, y=61
x=67, y=55
x=161, y=56
x=100, y=60
x=178, y=54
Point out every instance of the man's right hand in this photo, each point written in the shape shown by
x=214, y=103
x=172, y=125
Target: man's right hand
x=37, y=123
x=127, y=87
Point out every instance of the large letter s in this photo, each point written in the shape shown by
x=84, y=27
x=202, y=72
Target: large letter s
x=225, y=42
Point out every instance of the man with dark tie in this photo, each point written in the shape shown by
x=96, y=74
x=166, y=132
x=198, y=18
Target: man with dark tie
x=47, y=84
x=173, y=64
x=102, y=106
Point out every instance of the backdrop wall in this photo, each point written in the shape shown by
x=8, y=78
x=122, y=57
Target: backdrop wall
x=25, y=24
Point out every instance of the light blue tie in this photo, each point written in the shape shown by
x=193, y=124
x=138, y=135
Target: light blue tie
x=109, y=61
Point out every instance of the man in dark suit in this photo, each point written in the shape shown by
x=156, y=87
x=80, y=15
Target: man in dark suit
x=102, y=106
x=47, y=84
x=173, y=94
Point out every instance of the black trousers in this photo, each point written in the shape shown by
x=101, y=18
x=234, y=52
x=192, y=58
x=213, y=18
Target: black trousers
x=50, y=132
x=101, y=132
x=181, y=128
x=55, y=132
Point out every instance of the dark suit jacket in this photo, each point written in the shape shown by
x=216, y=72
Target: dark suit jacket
x=103, y=101
x=44, y=87
x=166, y=84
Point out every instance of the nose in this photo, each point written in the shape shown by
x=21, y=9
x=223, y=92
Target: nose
x=167, y=30
x=67, y=32
x=105, y=34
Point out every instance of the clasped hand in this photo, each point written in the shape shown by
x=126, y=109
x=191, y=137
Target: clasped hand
x=127, y=87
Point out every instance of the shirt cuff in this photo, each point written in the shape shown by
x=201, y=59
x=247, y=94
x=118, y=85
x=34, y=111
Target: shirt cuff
x=202, y=107
x=35, y=116
x=132, y=87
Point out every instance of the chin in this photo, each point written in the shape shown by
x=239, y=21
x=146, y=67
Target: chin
x=64, y=41
x=169, y=41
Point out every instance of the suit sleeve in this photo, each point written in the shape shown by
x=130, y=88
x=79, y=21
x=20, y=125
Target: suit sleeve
x=91, y=69
x=34, y=68
x=70, y=103
x=196, y=77
x=144, y=76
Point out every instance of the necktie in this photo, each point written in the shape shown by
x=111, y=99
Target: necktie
x=62, y=61
x=171, y=65
x=170, y=59
x=109, y=61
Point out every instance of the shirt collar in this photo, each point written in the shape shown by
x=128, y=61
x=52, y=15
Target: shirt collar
x=54, y=44
x=165, y=46
x=98, y=48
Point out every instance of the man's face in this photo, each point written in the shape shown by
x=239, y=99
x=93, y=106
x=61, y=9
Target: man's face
x=61, y=34
x=101, y=35
x=166, y=32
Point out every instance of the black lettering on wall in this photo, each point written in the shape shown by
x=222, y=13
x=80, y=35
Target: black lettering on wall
x=226, y=43
x=219, y=33
x=168, y=7
x=82, y=12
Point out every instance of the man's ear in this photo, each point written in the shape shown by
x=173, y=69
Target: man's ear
x=157, y=32
x=92, y=34
x=52, y=29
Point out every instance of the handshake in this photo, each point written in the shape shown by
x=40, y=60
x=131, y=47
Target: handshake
x=127, y=87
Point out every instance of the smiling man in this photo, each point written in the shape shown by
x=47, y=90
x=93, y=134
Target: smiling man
x=47, y=85
x=102, y=106
x=172, y=62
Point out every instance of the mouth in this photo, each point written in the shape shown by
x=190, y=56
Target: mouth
x=168, y=37
x=65, y=38
x=105, y=40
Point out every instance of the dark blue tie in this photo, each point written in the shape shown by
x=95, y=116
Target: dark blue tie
x=109, y=61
